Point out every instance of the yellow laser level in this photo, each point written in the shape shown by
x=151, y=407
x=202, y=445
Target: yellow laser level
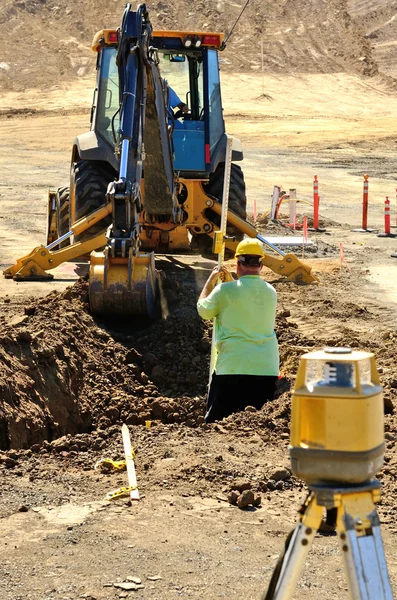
x=337, y=446
x=337, y=432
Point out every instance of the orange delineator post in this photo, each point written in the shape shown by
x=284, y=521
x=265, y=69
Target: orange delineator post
x=316, y=202
x=387, y=216
x=365, y=204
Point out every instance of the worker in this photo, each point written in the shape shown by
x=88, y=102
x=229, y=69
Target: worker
x=175, y=102
x=176, y=108
x=247, y=363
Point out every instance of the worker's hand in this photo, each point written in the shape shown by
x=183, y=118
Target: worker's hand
x=183, y=107
x=214, y=276
x=225, y=275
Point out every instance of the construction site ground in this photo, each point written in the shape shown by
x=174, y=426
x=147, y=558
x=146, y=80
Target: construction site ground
x=62, y=372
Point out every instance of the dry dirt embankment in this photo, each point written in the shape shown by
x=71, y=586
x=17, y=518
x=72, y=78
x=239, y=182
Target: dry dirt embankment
x=377, y=18
x=46, y=43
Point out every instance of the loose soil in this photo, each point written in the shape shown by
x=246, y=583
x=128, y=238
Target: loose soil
x=68, y=380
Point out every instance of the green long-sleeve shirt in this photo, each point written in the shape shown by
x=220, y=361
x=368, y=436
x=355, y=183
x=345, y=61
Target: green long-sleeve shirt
x=245, y=312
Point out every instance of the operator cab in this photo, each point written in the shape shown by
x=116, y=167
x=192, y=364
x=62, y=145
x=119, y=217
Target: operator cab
x=190, y=71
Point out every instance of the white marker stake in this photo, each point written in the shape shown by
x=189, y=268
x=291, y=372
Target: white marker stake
x=134, y=493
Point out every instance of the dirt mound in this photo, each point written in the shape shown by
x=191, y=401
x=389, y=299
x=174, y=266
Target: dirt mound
x=45, y=44
x=68, y=381
x=62, y=373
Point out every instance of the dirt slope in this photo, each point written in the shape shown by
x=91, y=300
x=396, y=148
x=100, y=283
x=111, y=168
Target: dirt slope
x=45, y=42
x=377, y=18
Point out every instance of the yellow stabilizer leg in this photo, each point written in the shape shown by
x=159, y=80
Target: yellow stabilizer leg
x=291, y=267
x=34, y=265
x=288, y=265
x=122, y=286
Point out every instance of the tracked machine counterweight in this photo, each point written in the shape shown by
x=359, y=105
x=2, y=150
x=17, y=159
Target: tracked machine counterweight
x=148, y=177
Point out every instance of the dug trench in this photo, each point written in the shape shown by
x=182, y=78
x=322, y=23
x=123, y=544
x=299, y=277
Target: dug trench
x=68, y=381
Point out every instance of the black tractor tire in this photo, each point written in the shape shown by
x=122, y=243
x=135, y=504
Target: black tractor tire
x=88, y=184
x=237, y=203
x=237, y=197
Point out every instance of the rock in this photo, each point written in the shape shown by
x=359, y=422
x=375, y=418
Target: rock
x=271, y=485
x=241, y=485
x=280, y=474
x=23, y=508
x=232, y=497
x=9, y=462
x=245, y=499
x=251, y=409
x=129, y=586
x=257, y=501
x=280, y=485
x=134, y=579
x=143, y=378
x=61, y=444
x=157, y=409
x=388, y=405
x=25, y=336
x=18, y=320
x=154, y=577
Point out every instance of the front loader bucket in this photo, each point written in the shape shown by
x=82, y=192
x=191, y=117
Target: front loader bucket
x=122, y=286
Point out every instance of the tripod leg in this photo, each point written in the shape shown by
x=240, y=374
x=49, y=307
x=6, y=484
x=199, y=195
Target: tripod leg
x=364, y=558
x=289, y=568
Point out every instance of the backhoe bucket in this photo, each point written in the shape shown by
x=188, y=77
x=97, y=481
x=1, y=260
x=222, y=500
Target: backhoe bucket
x=122, y=286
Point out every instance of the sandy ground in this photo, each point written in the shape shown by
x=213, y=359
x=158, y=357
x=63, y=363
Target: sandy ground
x=68, y=544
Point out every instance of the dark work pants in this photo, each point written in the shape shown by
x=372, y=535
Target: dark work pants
x=233, y=393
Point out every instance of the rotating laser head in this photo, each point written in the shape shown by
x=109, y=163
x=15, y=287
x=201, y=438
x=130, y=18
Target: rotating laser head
x=337, y=432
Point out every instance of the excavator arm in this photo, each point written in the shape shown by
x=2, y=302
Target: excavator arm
x=123, y=279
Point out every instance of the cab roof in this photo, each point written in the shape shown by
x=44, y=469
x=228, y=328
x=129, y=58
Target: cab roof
x=172, y=40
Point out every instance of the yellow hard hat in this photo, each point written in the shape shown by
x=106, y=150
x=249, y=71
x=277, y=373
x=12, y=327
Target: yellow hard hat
x=250, y=246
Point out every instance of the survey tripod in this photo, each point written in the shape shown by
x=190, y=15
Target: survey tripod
x=352, y=510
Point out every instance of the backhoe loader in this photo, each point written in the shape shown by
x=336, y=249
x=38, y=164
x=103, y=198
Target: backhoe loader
x=148, y=176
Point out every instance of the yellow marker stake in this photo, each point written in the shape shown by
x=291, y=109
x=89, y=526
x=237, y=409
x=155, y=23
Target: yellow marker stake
x=221, y=251
x=132, y=483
